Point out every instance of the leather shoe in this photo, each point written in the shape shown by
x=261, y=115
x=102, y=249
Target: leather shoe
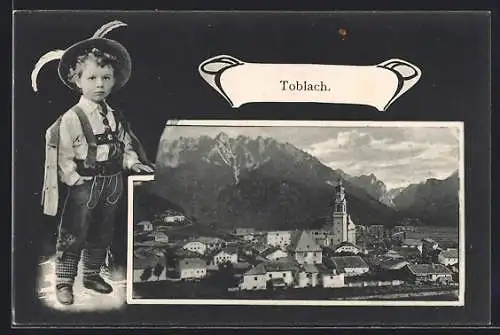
x=97, y=284
x=64, y=294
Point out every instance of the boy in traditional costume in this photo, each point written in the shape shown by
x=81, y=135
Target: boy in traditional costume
x=87, y=149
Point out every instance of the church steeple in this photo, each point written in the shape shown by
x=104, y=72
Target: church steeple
x=340, y=205
x=340, y=219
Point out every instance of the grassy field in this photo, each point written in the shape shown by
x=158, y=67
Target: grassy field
x=207, y=290
x=436, y=233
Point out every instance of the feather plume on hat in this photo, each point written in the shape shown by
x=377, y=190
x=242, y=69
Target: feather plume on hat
x=57, y=54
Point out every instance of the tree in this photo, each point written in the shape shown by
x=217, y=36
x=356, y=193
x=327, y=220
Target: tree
x=171, y=259
x=226, y=274
x=146, y=274
x=158, y=270
x=269, y=285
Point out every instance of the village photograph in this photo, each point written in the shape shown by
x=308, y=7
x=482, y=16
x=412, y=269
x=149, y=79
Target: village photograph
x=293, y=211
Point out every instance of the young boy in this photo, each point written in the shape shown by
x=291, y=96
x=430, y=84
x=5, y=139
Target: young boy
x=94, y=147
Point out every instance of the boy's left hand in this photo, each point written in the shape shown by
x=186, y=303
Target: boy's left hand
x=139, y=167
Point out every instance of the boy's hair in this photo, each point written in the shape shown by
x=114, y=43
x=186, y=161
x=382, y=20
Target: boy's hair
x=101, y=58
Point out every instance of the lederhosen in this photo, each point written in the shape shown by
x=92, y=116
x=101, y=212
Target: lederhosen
x=87, y=219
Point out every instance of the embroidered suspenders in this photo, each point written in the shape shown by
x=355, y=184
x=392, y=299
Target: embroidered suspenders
x=89, y=137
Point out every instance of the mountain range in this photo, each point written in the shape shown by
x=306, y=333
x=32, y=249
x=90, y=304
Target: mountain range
x=432, y=201
x=262, y=183
x=375, y=187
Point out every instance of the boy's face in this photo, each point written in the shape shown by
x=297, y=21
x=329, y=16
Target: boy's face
x=95, y=81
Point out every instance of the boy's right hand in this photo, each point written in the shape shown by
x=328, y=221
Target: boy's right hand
x=82, y=180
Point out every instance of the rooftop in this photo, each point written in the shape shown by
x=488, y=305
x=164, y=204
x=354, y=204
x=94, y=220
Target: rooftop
x=393, y=264
x=229, y=250
x=346, y=244
x=259, y=269
x=303, y=242
x=310, y=268
x=450, y=253
x=272, y=266
x=393, y=254
x=349, y=262
x=428, y=269
x=192, y=263
x=269, y=251
x=280, y=266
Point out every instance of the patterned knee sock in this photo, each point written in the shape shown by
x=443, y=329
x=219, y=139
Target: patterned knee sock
x=93, y=259
x=66, y=268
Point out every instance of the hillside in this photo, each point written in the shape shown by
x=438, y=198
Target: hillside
x=435, y=202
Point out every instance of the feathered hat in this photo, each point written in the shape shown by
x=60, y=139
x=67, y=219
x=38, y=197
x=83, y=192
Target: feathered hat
x=68, y=57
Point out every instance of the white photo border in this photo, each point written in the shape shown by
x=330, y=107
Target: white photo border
x=305, y=123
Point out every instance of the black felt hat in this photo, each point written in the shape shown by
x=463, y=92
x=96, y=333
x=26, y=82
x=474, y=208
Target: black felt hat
x=123, y=66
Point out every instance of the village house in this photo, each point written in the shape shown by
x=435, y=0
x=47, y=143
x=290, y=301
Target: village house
x=279, y=273
x=273, y=253
x=347, y=247
x=304, y=250
x=393, y=264
x=331, y=279
x=448, y=257
x=429, y=273
x=321, y=237
x=308, y=276
x=145, y=226
x=228, y=254
x=350, y=265
x=280, y=239
x=196, y=246
x=212, y=243
x=254, y=279
x=192, y=268
x=160, y=237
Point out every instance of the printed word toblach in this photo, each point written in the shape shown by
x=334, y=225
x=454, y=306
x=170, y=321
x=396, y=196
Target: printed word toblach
x=303, y=86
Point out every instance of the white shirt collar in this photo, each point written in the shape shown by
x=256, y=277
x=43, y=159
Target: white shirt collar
x=90, y=106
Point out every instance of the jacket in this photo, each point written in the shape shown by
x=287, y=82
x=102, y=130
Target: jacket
x=50, y=191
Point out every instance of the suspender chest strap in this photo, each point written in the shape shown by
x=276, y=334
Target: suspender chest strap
x=89, y=137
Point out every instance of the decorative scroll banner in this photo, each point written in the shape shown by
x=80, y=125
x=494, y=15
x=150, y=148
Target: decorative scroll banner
x=374, y=85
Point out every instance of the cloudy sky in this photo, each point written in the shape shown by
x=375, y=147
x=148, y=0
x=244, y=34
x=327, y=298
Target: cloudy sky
x=398, y=156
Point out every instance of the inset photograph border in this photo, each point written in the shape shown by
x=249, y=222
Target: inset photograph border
x=134, y=181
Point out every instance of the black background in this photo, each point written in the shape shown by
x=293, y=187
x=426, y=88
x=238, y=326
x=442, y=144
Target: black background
x=452, y=50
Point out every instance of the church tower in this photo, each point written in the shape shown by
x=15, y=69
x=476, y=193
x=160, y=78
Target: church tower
x=340, y=217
